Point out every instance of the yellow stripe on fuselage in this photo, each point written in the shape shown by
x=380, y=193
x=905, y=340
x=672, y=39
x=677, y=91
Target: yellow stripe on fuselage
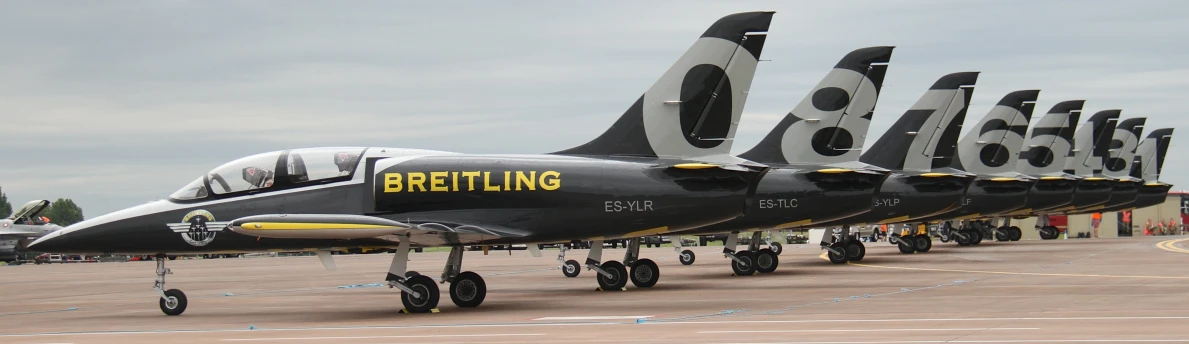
x=794, y=224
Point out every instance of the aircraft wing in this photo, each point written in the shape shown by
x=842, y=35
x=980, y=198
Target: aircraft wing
x=338, y=226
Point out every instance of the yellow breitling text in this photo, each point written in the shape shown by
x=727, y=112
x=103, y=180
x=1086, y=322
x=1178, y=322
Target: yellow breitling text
x=450, y=181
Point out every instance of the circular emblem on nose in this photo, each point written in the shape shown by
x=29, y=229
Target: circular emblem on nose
x=198, y=227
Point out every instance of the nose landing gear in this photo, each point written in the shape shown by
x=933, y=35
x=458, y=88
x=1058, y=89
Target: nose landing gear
x=173, y=301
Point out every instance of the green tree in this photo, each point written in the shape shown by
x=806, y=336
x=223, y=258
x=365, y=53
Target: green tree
x=63, y=212
x=5, y=207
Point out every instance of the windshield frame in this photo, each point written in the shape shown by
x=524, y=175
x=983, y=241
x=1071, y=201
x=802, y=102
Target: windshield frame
x=281, y=180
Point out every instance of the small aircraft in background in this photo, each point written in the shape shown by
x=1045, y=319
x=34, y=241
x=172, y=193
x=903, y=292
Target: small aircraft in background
x=22, y=227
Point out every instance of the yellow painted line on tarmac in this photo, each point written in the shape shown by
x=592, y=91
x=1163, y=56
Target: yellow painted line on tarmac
x=1171, y=245
x=823, y=256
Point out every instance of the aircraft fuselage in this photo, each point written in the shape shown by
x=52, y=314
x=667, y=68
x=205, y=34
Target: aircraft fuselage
x=527, y=198
x=797, y=197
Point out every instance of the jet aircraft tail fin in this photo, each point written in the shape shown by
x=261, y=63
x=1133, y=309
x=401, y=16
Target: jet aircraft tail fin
x=1149, y=157
x=925, y=137
x=830, y=123
x=1122, y=147
x=994, y=146
x=1049, y=141
x=693, y=110
x=1091, y=143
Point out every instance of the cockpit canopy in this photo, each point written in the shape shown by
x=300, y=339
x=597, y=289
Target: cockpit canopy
x=274, y=170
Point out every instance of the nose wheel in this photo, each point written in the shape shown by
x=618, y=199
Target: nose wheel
x=172, y=301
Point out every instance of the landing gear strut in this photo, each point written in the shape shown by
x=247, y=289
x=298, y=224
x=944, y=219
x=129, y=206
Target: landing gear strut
x=753, y=259
x=173, y=301
x=467, y=289
x=570, y=268
x=844, y=246
x=613, y=275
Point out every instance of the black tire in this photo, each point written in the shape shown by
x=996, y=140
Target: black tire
x=427, y=301
x=1049, y=233
x=468, y=290
x=686, y=257
x=645, y=273
x=776, y=248
x=175, y=306
x=840, y=257
x=924, y=242
x=618, y=279
x=748, y=265
x=945, y=238
x=766, y=261
x=410, y=274
x=907, y=245
x=1016, y=233
x=855, y=251
x=894, y=235
x=978, y=237
x=571, y=268
x=173, y=257
x=1002, y=234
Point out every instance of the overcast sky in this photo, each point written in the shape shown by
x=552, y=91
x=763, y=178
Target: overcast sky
x=117, y=103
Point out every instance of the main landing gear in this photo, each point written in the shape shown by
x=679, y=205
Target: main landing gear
x=966, y=235
x=1007, y=232
x=752, y=260
x=173, y=301
x=912, y=240
x=613, y=275
x=420, y=293
x=844, y=246
x=687, y=257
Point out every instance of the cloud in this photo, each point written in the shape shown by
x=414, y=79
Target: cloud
x=113, y=104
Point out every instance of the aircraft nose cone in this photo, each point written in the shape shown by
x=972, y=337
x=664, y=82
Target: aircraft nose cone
x=54, y=243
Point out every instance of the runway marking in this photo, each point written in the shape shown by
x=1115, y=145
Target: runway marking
x=982, y=341
x=533, y=324
x=605, y=317
x=396, y=336
x=1011, y=273
x=1170, y=245
x=880, y=330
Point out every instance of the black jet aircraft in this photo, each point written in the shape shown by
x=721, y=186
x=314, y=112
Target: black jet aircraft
x=662, y=165
x=989, y=151
x=802, y=186
x=1117, y=165
x=919, y=144
x=1043, y=157
x=1149, y=160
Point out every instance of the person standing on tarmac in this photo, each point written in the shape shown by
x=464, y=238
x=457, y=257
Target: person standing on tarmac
x=1095, y=219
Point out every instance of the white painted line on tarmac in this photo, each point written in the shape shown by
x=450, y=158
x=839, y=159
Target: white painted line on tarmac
x=986, y=341
x=880, y=330
x=562, y=324
x=678, y=322
x=377, y=337
x=604, y=317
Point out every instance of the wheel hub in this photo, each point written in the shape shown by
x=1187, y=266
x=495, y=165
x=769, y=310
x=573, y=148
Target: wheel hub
x=466, y=290
x=643, y=273
x=764, y=261
x=171, y=302
x=424, y=296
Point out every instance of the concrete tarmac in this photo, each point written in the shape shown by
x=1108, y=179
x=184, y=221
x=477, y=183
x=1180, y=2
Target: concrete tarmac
x=1064, y=291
